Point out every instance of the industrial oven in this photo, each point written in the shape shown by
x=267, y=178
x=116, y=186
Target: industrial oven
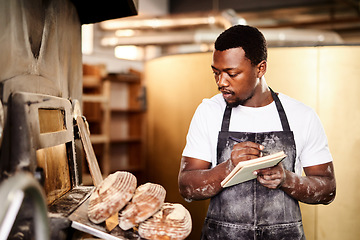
x=41, y=149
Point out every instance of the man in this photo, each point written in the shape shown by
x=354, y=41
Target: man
x=266, y=207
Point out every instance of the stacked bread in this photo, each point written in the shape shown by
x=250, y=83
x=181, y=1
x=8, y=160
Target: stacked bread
x=143, y=207
x=173, y=221
x=147, y=200
x=111, y=196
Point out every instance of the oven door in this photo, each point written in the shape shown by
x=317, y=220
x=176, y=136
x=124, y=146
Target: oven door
x=39, y=138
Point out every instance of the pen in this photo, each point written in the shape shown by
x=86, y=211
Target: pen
x=238, y=140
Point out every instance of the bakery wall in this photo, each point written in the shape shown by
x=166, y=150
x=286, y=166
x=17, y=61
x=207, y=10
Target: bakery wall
x=175, y=86
x=325, y=78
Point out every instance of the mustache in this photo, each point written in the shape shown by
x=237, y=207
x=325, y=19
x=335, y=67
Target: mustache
x=223, y=89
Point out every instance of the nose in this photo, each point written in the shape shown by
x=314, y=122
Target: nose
x=222, y=81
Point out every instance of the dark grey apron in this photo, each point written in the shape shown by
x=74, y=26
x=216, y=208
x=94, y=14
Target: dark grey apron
x=250, y=210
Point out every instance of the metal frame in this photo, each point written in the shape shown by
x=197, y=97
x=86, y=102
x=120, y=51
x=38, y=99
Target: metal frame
x=12, y=194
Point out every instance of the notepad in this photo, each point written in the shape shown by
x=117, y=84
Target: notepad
x=244, y=170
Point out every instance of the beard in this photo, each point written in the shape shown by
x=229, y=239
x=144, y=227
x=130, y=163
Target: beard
x=238, y=101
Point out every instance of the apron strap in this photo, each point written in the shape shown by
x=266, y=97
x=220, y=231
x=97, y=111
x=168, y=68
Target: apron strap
x=281, y=111
x=283, y=118
x=226, y=119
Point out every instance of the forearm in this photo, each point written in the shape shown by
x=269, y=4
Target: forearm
x=199, y=184
x=310, y=189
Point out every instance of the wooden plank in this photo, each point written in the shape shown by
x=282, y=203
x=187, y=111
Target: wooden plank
x=89, y=152
x=93, y=165
x=54, y=162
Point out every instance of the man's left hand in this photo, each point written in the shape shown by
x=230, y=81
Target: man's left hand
x=272, y=177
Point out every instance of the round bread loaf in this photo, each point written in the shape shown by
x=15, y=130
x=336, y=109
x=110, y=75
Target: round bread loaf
x=111, y=196
x=147, y=200
x=171, y=222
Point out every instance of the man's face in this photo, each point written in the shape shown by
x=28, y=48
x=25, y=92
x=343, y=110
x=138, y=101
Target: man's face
x=235, y=76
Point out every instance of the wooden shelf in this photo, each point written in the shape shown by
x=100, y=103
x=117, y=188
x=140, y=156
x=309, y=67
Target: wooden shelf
x=99, y=138
x=126, y=78
x=95, y=98
x=96, y=109
x=124, y=131
x=91, y=81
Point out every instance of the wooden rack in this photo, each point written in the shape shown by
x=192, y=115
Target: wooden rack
x=115, y=108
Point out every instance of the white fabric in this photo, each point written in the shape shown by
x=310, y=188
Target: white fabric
x=310, y=139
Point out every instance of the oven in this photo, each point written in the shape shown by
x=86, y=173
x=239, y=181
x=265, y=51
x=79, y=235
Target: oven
x=41, y=151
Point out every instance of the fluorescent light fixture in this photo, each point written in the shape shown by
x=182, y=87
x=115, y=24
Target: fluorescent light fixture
x=87, y=38
x=125, y=33
x=129, y=52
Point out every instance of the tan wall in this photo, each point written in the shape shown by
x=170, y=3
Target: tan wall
x=293, y=71
x=325, y=78
x=175, y=85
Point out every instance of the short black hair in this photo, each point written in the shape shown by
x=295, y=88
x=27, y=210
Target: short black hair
x=250, y=39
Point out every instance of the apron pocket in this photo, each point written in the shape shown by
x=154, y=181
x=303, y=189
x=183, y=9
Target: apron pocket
x=216, y=230
x=288, y=231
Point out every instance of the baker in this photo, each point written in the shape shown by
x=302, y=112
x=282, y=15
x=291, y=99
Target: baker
x=248, y=109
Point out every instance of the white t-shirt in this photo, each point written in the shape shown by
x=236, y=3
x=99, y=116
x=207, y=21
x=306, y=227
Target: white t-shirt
x=310, y=139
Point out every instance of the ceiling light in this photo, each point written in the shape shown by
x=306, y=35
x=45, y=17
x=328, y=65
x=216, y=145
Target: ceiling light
x=87, y=38
x=125, y=33
x=129, y=52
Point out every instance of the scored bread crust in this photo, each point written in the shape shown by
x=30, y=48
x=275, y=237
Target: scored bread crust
x=111, y=196
x=171, y=222
x=147, y=200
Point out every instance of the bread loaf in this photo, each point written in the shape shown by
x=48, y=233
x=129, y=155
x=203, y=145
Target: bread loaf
x=111, y=196
x=147, y=200
x=171, y=222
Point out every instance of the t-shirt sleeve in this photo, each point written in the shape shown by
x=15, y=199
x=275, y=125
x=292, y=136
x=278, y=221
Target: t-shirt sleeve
x=197, y=140
x=316, y=150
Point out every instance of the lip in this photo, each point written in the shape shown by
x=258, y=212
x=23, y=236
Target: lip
x=227, y=94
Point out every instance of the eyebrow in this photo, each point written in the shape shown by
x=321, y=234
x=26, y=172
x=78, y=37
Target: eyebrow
x=225, y=70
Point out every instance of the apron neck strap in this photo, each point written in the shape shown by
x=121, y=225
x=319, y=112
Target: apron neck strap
x=226, y=119
x=284, y=121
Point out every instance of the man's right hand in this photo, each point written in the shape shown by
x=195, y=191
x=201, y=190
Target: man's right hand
x=245, y=151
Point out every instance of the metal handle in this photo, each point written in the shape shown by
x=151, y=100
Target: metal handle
x=12, y=194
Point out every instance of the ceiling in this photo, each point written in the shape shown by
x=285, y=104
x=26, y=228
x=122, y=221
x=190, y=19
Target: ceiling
x=341, y=16
x=189, y=22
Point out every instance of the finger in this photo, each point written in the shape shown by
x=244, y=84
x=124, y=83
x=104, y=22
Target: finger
x=270, y=177
x=265, y=171
x=249, y=148
x=269, y=183
x=249, y=157
x=240, y=150
x=253, y=145
x=239, y=156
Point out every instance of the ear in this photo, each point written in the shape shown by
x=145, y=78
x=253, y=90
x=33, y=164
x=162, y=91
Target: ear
x=261, y=68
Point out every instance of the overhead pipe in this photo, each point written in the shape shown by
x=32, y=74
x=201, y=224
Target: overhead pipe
x=195, y=29
x=224, y=19
x=274, y=37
